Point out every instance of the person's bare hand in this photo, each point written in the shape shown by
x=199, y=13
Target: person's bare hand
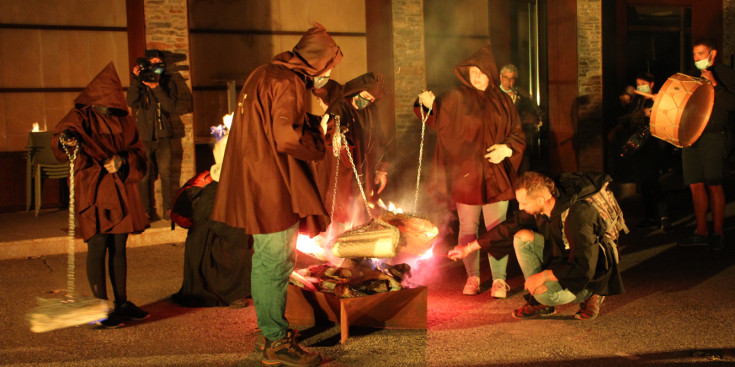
x=136, y=70
x=151, y=85
x=535, y=283
x=427, y=98
x=707, y=74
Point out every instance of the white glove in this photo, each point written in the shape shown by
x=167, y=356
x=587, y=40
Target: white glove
x=427, y=98
x=323, y=123
x=498, y=152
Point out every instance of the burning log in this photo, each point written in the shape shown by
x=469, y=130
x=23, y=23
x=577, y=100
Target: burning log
x=357, y=281
x=375, y=239
x=387, y=236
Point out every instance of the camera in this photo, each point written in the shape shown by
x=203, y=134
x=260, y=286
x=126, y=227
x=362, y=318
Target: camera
x=150, y=72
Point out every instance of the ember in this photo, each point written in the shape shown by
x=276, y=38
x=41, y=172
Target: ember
x=355, y=278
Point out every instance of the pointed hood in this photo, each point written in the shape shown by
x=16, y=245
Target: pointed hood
x=369, y=82
x=484, y=60
x=315, y=53
x=104, y=90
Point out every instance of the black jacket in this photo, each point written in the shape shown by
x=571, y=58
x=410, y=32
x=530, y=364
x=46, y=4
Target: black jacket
x=580, y=264
x=153, y=107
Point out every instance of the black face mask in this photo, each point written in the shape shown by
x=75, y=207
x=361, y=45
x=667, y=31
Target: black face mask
x=360, y=101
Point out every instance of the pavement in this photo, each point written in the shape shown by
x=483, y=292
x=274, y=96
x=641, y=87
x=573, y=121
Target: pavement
x=678, y=309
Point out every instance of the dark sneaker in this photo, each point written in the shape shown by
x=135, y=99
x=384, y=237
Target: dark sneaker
x=129, y=311
x=111, y=322
x=666, y=226
x=694, y=239
x=532, y=311
x=287, y=352
x=717, y=242
x=590, y=308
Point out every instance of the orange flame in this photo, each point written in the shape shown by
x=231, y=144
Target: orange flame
x=35, y=127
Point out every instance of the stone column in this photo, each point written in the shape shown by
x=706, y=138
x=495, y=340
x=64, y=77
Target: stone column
x=588, y=138
x=167, y=29
x=409, y=61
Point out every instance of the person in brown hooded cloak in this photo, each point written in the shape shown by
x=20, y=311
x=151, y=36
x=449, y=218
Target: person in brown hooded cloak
x=479, y=147
x=266, y=186
x=358, y=122
x=109, y=164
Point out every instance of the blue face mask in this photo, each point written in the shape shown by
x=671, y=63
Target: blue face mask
x=360, y=101
x=644, y=88
x=320, y=81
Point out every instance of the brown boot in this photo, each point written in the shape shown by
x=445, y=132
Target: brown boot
x=288, y=352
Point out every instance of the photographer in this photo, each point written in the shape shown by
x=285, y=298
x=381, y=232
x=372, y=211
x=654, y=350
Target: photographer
x=153, y=95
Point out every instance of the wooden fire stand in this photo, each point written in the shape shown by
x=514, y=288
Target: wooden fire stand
x=404, y=309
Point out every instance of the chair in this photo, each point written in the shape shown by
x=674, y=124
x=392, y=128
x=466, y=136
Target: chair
x=41, y=163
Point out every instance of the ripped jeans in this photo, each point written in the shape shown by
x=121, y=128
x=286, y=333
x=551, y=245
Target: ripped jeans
x=530, y=256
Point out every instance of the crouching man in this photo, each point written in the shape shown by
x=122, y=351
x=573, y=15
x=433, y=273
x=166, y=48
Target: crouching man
x=560, y=242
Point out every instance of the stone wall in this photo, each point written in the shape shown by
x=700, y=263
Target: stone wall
x=588, y=136
x=167, y=30
x=409, y=61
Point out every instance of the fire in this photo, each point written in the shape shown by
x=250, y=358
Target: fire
x=391, y=207
x=35, y=127
x=428, y=254
x=311, y=246
x=227, y=120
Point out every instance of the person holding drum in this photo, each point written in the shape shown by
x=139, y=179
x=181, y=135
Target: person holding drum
x=644, y=155
x=703, y=162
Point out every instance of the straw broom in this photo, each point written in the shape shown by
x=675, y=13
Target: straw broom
x=52, y=314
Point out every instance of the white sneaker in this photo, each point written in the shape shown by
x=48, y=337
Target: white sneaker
x=472, y=286
x=499, y=289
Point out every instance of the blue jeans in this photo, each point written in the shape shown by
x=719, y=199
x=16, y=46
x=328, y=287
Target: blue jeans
x=530, y=256
x=469, y=221
x=273, y=261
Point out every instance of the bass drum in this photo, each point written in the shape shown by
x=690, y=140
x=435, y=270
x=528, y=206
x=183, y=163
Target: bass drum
x=681, y=109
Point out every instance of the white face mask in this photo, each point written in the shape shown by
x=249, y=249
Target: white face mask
x=644, y=88
x=704, y=63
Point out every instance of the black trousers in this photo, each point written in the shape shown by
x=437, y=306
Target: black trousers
x=97, y=247
x=159, y=165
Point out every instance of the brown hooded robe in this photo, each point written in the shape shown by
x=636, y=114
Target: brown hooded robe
x=266, y=185
x=468, y=121
x=105, y=202
x=367, y=146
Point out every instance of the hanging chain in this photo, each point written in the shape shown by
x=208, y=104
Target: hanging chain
x=421, y=152
x=357, y=177
x=340, y=141
x=70, y=250
x=336, y=146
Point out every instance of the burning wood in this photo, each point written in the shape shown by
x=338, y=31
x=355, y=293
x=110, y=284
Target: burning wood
x=352, y=279
x=386, y=237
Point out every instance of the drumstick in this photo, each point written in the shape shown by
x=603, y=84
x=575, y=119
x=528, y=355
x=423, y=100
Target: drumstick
x=647, y=95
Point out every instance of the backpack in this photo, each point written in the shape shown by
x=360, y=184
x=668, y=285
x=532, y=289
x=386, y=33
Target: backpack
x=185, y=199
x=612, y=216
